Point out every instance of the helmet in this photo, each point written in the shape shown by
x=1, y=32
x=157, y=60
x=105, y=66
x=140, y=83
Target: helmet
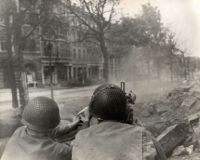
x=41, y=114
x=108, y=103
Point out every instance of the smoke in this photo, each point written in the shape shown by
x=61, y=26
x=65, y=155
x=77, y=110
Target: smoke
x=143, y=76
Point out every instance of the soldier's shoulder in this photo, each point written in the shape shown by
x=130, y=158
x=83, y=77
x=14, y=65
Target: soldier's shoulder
x=135, y=127
x=59, y=145
x=62, y=148
x=20, y=130
x=83, y=132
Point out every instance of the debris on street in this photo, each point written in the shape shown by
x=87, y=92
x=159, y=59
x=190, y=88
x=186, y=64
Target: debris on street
x=174, y=120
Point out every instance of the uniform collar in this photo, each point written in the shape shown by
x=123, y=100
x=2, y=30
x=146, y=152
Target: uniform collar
x=37, y=134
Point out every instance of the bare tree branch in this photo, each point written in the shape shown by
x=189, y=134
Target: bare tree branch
x=31, y=32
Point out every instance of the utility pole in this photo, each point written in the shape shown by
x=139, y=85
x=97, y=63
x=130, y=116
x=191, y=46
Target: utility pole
x=49, y=50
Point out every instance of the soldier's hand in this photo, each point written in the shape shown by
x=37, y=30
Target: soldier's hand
x=76, y=119
x=84, y=114
x=131, y=97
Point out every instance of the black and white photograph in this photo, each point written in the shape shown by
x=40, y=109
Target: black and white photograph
x=99, y=79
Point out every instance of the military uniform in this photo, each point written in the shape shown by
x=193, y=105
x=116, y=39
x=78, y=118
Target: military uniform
x=114, y=141
x=23, y=146
x=114, y=137
x=34, y=140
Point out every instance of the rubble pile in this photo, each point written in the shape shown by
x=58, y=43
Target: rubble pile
x=174, y=120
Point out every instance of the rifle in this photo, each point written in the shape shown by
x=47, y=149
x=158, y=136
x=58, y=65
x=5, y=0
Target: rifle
x=130, y=98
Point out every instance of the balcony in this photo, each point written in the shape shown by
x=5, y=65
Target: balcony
x=54, y=59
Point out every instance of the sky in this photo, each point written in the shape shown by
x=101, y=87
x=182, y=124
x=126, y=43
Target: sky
x=181, y=16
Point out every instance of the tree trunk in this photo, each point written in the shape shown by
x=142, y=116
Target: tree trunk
x=158, y=69
x=148, y=68
x=105, y=58
x=171, y=72
x=12, y=78
x=171, y=69
x=18, y=43
x=51, y=73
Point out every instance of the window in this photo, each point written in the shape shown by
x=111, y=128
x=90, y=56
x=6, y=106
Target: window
x=3, y=46
x=73, y=34
x=30, y=45
x=84, y=54
x=79, y=53
x=72, y=23
x=1, y=20
x=48, y=48
x=74, y=53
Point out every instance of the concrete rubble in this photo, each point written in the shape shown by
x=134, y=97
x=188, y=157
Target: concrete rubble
x=173, y=136
x=174, y=120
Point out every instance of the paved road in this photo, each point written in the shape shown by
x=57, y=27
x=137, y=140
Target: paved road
x=143, y=91
x=59, y=95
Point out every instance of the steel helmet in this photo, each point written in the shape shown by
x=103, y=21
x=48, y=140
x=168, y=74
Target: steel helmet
x=41, y=114
x=108, y=103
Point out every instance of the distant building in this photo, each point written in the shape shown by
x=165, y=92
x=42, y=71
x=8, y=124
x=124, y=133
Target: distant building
x=76, y=61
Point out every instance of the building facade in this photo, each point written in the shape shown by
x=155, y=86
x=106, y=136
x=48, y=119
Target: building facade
x=63, y=59
x=66, y=59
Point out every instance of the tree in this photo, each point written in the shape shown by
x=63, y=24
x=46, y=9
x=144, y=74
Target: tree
x=38, y=15
x=6, y=14
x=49, y=23
x=121, y=37
x=96, y=21
x=156, y=34
x=172, y=58
x=145, y=31
x=32, y=13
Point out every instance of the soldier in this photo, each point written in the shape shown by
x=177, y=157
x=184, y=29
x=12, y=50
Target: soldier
x=113, y=137
x=33, y=141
